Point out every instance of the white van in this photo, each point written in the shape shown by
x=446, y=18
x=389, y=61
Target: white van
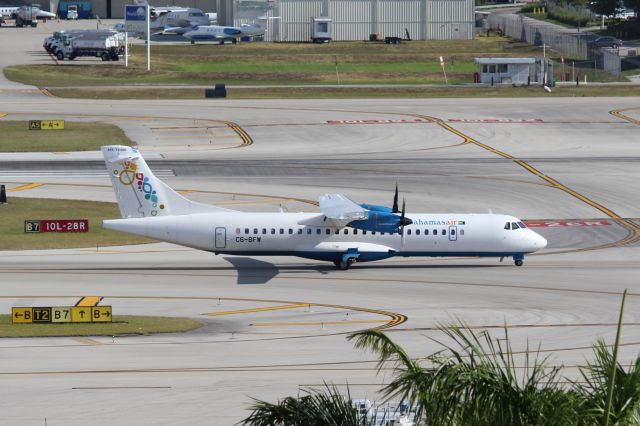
x=72, y=12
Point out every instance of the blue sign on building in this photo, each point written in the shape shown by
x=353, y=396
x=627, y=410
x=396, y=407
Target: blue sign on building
x=135, y=13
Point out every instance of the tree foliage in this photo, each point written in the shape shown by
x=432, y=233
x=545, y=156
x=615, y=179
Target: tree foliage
x=474, y=380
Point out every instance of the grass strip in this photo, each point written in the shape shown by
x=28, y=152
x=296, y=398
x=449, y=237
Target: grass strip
x=355, y=92
x=121, y=325
x=412, y=62
x=15, y=136
x=20, y=209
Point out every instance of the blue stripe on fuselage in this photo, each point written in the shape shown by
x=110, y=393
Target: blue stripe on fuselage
x=369, y=256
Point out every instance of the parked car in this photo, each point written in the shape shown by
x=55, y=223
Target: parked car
x=606, y=41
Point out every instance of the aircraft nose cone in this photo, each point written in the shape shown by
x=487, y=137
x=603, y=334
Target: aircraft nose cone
x=539, y=242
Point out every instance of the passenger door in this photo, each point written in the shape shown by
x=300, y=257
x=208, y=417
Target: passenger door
x=453, y=233
x=221, y=238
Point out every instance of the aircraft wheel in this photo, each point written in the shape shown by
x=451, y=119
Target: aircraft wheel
x=104, y=56
x=519, y=262
x=60, y=56
x=342, y=265
x=193, y=42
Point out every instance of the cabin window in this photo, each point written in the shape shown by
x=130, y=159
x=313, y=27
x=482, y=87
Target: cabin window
x=426, y=232
x=264, y=231
x=453, y=232
x=521, y=225
x=355, y=232
x=309, y=230
x=281, y=231
x=408, y=231
x=328, y=231
x=337, y=231
x=237, y=230
x=417, y=232
x=373, y=233
x=246, y=230
x=346, y=232
x=507, y=225
x=299, y=231
x=364, y=232
x=290, y=231
x=255, y=230
x=435, y=232
x=273, y=231
x=444, y=232
x=462, y=232
x=318, y=231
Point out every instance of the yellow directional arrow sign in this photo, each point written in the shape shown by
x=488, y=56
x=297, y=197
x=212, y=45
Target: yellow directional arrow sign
x=21, y=315
x=101, y=314
x=80, y=314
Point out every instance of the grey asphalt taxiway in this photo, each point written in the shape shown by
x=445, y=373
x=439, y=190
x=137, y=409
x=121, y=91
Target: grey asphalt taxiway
x=275, y=325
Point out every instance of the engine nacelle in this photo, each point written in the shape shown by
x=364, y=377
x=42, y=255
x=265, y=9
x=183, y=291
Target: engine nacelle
x=379, y=221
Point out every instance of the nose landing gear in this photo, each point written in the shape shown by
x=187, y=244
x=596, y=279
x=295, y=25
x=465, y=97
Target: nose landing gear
x=518, y=259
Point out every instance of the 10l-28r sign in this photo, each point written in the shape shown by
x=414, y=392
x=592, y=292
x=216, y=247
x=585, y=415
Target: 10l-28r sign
x=56, y=225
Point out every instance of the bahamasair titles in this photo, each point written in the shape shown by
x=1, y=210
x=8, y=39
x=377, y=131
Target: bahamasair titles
x=343, y=232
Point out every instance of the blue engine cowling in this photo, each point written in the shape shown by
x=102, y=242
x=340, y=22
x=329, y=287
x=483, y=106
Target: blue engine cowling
x=380, y=221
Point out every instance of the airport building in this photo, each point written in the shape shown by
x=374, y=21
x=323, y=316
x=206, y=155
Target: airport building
x=350, y=19
x=358, y=19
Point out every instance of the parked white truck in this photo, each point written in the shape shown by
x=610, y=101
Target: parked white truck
x=105, y=47
x=55, y=42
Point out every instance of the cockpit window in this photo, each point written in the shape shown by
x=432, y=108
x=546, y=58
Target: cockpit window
x=522, y=225
x=507, y=225
x=514, y=225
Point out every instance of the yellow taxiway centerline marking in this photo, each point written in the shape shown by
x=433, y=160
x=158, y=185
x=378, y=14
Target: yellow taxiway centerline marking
x=25, y=187
x=246, y=311
x=89, y=301
x=286, y=324
x=619, y=113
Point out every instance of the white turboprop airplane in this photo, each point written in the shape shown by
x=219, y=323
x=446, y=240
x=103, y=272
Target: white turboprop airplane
x=221, y=33
x=10, y=12
x=343, y=232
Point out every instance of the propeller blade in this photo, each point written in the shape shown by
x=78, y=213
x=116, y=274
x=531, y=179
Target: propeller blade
x=395, y=200
x=402, y=222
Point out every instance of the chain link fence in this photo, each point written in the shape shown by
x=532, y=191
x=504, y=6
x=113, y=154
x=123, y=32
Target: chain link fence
x=575, y=46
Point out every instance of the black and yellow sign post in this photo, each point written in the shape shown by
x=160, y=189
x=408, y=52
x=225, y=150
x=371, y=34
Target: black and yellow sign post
x=46, y=124
x=61, y=314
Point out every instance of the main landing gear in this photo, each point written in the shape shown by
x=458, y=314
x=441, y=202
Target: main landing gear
x=343, y=264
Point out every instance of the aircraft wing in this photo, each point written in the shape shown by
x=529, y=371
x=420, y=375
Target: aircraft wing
x=339, y=208
x=175, y=30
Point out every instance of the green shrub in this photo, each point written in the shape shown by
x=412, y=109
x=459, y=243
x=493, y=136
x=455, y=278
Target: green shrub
x=529, y=7
x=568, y=16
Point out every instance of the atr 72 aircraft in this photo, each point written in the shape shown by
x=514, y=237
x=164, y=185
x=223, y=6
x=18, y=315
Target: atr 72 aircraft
x=343, y=232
